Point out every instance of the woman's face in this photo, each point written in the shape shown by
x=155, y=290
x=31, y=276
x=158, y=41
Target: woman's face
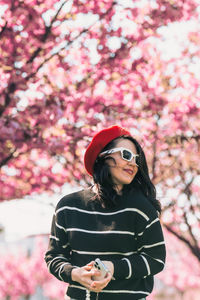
x=122, y=171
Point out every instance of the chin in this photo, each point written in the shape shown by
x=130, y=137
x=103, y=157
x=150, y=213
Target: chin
x=129, y=181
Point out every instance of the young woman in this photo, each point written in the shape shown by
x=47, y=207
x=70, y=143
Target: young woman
x=116, y=220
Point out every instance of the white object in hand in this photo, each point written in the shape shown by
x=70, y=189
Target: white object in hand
x=99, y=265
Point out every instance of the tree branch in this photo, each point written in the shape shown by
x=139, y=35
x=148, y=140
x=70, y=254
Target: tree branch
x=195, y=250
x=66, y=45
x=154, y=161
x=45, y=35
x=56, y=53
x=11, y=88
x=179, y=139
x=6, y=159
x=190, y=230
x=3, y=28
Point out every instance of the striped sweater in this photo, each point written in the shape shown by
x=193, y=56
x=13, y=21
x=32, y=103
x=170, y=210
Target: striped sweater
x=129, y=235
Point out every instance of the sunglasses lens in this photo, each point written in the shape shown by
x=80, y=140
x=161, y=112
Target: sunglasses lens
x=127, y=155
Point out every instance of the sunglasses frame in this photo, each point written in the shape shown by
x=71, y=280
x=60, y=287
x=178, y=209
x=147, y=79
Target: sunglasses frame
x=120, y=149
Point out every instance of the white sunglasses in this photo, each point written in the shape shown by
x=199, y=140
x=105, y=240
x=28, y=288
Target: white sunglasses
x=126, y=154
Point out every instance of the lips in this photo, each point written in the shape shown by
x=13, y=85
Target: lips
x=129, y=171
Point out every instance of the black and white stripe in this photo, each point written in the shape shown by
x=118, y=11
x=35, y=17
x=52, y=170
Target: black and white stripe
x=130, y=236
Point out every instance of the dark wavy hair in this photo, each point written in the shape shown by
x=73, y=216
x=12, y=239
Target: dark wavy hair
x=106, y=192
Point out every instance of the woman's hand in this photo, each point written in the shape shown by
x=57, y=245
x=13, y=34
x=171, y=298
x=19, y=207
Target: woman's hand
x=99, y=285
x=84, y=274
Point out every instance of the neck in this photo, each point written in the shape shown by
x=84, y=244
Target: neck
x=118, y=189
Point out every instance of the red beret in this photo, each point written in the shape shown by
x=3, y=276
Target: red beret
x=99, y=141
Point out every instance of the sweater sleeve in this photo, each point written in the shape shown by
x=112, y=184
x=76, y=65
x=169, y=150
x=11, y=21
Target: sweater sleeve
x=57, y=257
x=150, y=256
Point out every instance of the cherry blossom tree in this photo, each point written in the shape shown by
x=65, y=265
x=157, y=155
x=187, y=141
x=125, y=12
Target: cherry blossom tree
x=15, y=277
x=178, y=271
x=51, y=287
x=70, y=68
x=22, y=274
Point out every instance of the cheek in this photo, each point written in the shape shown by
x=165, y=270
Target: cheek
x=116, y=162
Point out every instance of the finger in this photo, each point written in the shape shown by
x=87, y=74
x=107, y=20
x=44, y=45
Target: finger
x=95, y=289
x=90, y=263
x=93, y=284
x=109, y=276
x=87, y=268
x=88, y=272
x=87, y=283
x=100, y=284
x=94, y=272
x=91, y=271
x=106, y=279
